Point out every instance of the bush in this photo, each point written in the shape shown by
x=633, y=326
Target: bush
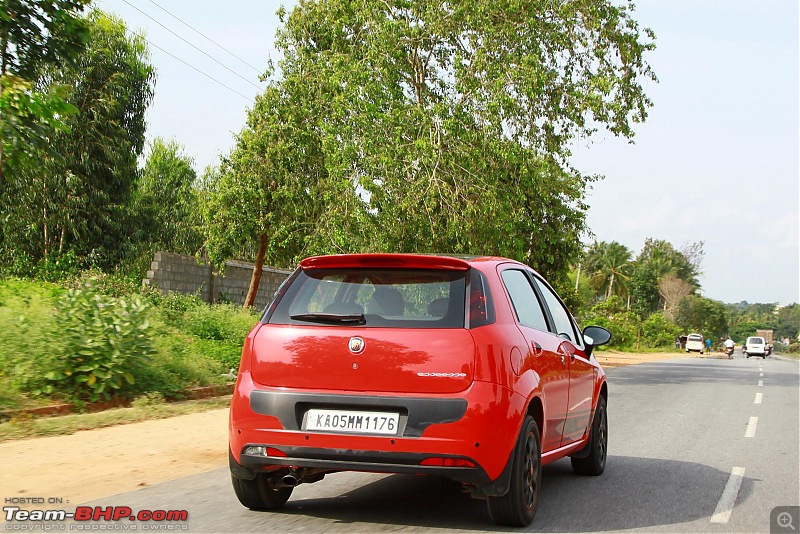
x=57, y=267
x=612, y=315
x=106, y=340
x=658, y=331
x=28, y=342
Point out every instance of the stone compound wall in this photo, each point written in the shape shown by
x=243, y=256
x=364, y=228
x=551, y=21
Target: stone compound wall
x=183, y=274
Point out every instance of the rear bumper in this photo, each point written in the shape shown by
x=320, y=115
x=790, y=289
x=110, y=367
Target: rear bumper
x=349, y=460
x=478, y=426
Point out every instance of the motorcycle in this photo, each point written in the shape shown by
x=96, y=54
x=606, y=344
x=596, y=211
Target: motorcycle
x=729, y=352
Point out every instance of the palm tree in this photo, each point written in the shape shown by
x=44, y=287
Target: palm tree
x=609, y=265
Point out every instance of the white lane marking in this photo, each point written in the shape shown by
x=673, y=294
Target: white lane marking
x=762, y=374
x=757, y=399
x=722, y=514
x=751, y=428
x=760, y=383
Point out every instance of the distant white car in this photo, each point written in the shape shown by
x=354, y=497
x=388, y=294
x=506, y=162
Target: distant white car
x=694, y=342
x=755, y=346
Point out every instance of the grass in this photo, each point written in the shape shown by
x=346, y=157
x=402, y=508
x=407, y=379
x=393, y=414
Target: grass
x=195, y=343
x=30, y=427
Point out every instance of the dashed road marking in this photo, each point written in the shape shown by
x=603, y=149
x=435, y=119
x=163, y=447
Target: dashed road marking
x=722, y=514
x=761, y=374
x=751, y=428
x=757, y=399
x=760, y=383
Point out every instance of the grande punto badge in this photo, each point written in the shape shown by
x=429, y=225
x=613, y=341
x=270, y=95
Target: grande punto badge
x=356, y=345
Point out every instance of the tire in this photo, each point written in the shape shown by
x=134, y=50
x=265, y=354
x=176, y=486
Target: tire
x=518, y=507
x=595, y=463
x=260, y=493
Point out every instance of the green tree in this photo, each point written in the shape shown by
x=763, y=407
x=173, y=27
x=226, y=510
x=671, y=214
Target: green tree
x=702, y=315
x=788, y=322
x=609, y=265
x=79, y=200
x=456, y=119
x=643, y=286
x=663, y=258
x=166, y=201
x=434, y=127
x=266, y=191
x=34, y=35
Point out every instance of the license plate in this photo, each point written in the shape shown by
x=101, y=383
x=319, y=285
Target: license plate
x=352, y=421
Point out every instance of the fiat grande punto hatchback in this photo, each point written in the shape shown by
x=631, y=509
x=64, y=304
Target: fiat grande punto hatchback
x=470, y=368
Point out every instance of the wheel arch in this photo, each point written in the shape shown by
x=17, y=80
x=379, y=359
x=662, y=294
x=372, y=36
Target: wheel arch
x=536, y=410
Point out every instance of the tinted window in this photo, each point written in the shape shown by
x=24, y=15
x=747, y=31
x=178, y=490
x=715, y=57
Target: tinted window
x=402, y=298
x=559, y=313
x=526, y=304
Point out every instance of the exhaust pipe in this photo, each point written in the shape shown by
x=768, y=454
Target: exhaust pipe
x=290, y=480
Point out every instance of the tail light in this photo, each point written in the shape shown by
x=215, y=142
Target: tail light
x=481, y=307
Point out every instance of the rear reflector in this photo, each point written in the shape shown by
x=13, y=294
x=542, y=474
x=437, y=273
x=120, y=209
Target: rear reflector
x=260, y=450
x=447, y=462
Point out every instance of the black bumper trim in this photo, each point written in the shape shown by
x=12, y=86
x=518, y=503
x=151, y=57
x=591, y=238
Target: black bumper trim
x=354, y=460
x=416, y=413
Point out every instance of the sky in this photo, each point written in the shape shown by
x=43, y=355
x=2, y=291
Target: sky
x=716, y=161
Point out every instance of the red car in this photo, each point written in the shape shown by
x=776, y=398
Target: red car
x=470, y=368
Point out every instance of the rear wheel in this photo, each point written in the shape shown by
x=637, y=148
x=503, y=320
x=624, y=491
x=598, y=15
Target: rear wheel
x=260, y=493
x=518, y=507
x=595, y=462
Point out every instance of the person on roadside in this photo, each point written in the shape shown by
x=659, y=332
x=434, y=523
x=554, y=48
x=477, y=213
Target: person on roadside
x=708, y=345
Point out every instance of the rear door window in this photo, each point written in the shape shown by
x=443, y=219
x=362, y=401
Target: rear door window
x=564, y=325
x=526, y=304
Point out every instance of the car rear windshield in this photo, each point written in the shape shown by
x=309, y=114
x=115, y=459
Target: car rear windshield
x=755, y=340
x=395, y=298
x=695, y=338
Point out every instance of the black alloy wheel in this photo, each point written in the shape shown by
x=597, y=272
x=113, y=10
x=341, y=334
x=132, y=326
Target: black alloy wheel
x=517, y=508
x=595, y=462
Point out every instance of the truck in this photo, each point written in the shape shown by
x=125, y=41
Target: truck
x=768, y=336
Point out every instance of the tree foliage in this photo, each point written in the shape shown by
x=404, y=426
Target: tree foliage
x=456, y=118
x=266, y=191
x=34, y=35
x=702, y=315
x=78, y=198
x=609, y=265
x=166, y=201
x=435, y=126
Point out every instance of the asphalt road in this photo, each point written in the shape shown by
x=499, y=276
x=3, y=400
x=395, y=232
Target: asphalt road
x=681, y=431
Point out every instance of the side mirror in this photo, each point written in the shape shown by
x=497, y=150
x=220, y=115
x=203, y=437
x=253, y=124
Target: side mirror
x=595, y=336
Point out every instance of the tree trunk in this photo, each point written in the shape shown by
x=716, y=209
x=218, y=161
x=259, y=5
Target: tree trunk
x=610, y=287
x=256, y=279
